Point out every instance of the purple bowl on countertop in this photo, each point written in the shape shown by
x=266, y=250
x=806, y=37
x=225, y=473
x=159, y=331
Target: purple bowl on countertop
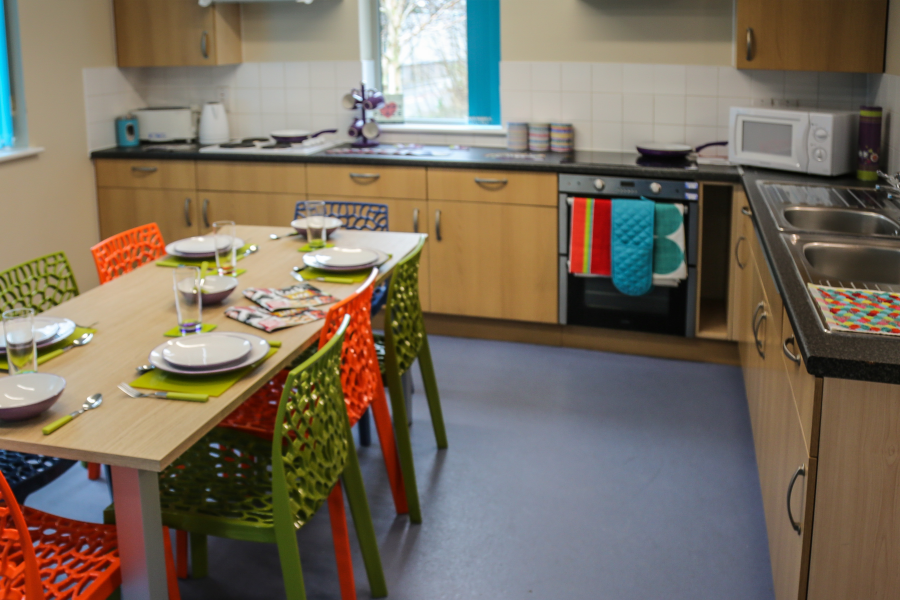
x=28, y=395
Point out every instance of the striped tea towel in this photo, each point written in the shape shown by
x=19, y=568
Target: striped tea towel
x=589, y=248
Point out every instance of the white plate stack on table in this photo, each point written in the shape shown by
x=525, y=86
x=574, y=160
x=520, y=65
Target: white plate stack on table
x=47, y=331
x=332, y=224
x=209, y=353
x=202, y=246
x=344, y=259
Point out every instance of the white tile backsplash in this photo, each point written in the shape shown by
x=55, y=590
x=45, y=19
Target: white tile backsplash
x=546, y=77
x=637, y=108
x=576, y=77
x=576, y=106
x=607, y=77
x=637, y=78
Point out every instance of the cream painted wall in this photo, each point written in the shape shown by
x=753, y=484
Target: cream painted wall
x=288, y=31
x=48, y=203
x=637, y=31
x=892, y=51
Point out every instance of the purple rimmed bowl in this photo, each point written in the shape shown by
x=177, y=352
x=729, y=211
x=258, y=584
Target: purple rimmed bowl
x=29, y=394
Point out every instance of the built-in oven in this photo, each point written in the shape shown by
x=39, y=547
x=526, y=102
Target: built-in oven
x=594, y=301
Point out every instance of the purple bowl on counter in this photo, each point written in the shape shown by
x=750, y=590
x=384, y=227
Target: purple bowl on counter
x=28, y=395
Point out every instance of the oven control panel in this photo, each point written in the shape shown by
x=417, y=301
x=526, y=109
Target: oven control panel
x=623, y=187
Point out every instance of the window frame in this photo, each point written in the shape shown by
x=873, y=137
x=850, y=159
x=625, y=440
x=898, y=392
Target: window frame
x=12, y=85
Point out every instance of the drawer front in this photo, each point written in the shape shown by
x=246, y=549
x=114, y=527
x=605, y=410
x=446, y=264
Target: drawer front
x=807, y=395
x=366, y=181
x=147, y=174
x=251, y=177
x=502, y=187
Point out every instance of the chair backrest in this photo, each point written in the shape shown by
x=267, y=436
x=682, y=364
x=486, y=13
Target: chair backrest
x=353, y=215
x=360, y=374
x=40, y=284
x=310, y=445
x=404, y=327
x=126, y=251
x=19, y=574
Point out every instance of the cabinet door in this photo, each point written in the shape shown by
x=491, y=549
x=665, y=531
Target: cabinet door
x=493, y=260
x=412, y=216
x=738, y=300
x=811, y=35
x=173, y=210
x=245, y=208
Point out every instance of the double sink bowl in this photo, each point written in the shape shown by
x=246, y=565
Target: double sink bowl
x=839, y=236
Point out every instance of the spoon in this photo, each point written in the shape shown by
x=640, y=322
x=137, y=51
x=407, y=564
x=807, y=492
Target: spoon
x=298, y=269
x=144, y=369
x=273, y=236
x=92, y=401
x=83, y=340
x=253, y=248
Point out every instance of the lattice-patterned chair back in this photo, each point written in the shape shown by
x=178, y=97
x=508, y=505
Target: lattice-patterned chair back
x=40, y=284
x=404, y=327
x=354, y=215
x=126, y=251
x=310, y=446
x=19, y=573
x=360, y=374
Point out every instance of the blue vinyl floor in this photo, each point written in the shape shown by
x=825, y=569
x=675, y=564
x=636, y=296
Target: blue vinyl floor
x=570, y=475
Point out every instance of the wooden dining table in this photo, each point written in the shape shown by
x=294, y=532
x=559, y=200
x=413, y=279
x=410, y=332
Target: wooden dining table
x=139, y=437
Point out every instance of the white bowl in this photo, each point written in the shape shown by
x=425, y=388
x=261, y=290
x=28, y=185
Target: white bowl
x=206, y=351
x=29, y=394
x=215, y=289
x=332, y=224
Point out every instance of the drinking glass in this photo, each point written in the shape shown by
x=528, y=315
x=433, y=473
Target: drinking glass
x=226, y=253
x=21, y=350
x=188, y=301
x=315, y=224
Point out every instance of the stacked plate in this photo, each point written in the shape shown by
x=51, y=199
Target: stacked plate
x=47, y=331
x=202, y=246
x=332, y=224
x=208, y=353
x=344, y=259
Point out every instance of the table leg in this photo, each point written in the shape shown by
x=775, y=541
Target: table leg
x=139, y=523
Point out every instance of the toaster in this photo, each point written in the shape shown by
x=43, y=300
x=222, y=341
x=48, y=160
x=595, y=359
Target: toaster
x=165, y=123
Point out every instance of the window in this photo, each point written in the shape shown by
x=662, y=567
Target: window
x=7, y=136
x=440, y=60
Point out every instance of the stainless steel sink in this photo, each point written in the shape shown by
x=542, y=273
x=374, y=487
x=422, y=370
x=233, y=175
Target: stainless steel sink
x=854, y=263
x=840, y=220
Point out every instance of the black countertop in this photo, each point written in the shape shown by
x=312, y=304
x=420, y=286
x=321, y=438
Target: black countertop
x=580, y=162
x=840, y=355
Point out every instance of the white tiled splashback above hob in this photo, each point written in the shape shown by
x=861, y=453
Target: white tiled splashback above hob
x=612, y=106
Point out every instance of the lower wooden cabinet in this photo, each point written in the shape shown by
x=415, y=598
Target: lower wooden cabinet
x=175, y=211
x=246, y=208
x=494, y=260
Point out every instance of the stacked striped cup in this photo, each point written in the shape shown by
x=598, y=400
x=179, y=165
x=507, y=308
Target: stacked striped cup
x=562, y=137
x=517, y=137
x=538, y=137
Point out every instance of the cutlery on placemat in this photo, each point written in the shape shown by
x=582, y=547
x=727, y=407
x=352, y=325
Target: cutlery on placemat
x=144, y=369
x=327, y=279
x=164, y=395
x=273, y=236
x=250, y=250
x=84, y=340
x=91, y=326
x=91, y=402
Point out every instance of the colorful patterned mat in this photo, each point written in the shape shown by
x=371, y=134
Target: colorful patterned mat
x=859, y=311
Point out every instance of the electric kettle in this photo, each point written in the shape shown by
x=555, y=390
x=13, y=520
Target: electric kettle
x=214, y=124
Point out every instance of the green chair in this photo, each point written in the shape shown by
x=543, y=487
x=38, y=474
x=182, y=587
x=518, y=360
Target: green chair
x=235, y=485
x=404, y=341
x=40, y=284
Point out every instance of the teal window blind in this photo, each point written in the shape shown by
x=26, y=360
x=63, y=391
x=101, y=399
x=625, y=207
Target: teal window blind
x=7, y=136
x=483, y=25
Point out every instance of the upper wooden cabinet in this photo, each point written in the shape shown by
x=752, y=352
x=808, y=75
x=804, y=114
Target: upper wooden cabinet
x=176, y=33
x=811, y=35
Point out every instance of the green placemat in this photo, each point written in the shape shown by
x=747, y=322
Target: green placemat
x=49, y=352
x=177, y=261
x=308, y=248
x=311, y=274
x=211, y=385
x=176, y=331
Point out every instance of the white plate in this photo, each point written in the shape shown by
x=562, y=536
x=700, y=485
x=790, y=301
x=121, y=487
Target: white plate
x=198, y=246
x=205, y=351
x=344, y=258
x=44, y=329
x=260, y=348
x=332, y=224
x=64, y=328
x=310, y=261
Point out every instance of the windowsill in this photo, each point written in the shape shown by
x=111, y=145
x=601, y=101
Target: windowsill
x=489, y=130
x=11, y=154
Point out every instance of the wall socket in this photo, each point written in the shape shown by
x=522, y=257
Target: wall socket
x=776, y=102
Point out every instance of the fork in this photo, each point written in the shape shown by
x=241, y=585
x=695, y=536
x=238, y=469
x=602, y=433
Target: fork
x=164, y=395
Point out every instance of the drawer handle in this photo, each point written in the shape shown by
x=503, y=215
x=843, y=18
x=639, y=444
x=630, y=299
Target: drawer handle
x=437, y=225
x=749, y=44
x=756, y=325
x=801, y=471
x=787, y=352
x=206, y=213
x=745, y=210
x=137, y=169
x=737, y=253
x=187, y=212
x=488, y=182
x=415, y=220
x=204, y=44
x=369, y=177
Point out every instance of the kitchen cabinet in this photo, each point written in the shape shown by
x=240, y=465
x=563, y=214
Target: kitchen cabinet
x=146, y=174
x=504, y=187
x=806, y=389
x=228, y=176
x=175, y=211
x=739, y=281
x=366, y=181
x=493, y=260
x=176, y=33
x=246, y=208
x=811, y=35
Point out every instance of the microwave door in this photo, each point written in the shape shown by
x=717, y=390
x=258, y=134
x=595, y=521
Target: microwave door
x=774, y=142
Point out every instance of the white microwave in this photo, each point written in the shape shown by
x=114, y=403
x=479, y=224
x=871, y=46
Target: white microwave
x=819, y=142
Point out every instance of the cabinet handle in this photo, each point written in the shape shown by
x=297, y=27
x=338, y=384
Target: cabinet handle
x=415, y=220
x=745, y=210
x=137, y=169
x=204, y=44
x=371, y=177
x=756, y=325
x=749, y=44
x=187, y=212
x=787, y=352
x=206, y=213
x=486, y=182
x=737, y=253
x=801, y=471
x=437, y=225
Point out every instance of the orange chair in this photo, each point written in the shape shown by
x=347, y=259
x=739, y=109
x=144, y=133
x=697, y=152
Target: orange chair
x=126, y=251
x=45, y=557
x=120, y=254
